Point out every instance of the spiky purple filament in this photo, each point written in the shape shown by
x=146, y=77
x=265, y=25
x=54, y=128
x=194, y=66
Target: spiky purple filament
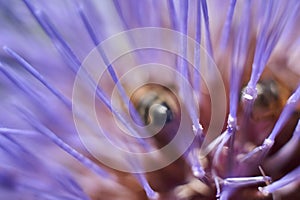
x=187, y=93
x=227, y=25
x=207, y=28
x=291, y=177
x=55, y=139
x=109, y=66
x=24, y=181
x=42, y=19
x=197, y=83
x=267, y=39
x=75, y=65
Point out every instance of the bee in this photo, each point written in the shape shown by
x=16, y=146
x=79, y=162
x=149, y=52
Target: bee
x=157, y=105
x=270, y=100
x=273, y=92
x=159, y=109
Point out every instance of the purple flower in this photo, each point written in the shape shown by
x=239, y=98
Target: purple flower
x=149, y=99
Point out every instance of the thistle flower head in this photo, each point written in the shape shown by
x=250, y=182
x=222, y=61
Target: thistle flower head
x=149, y=99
